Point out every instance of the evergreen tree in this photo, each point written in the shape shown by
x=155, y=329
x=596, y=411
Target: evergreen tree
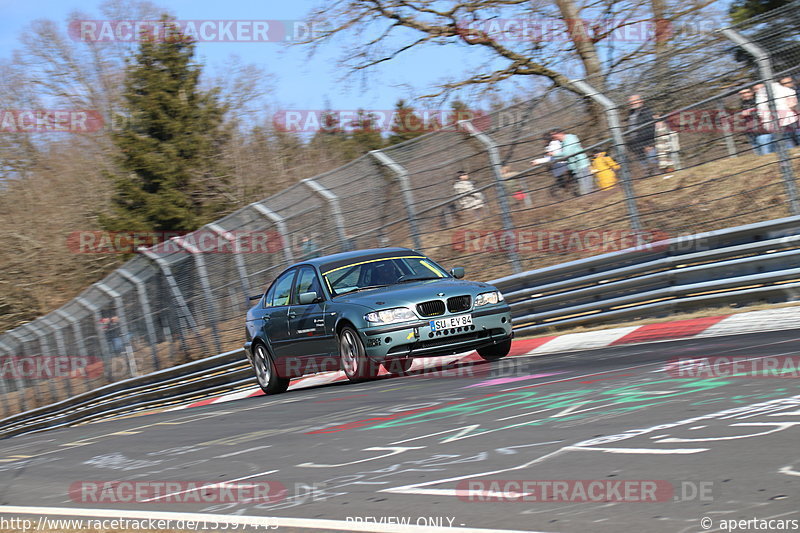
x=406, y=124
x=741, y=10
x=171, y=179
x=330, y=135
x=366, y=134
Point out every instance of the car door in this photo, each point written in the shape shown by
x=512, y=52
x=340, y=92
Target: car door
x=311, y=337
x=276, y=316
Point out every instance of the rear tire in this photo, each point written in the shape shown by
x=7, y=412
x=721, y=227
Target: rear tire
x=266, y=375
x=495, y=351
x=354, y=361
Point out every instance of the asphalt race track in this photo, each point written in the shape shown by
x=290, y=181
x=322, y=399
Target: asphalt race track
x=447, y=448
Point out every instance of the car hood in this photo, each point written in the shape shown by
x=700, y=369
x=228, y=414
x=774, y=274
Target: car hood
x=411, y=293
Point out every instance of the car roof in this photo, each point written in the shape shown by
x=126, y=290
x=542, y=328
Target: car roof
x=348, y=257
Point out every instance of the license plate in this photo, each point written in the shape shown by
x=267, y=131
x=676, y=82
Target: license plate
x=451, y=322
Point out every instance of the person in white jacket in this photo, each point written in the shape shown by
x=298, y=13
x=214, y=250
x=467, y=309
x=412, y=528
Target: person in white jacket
x=469, y=204
x=782, y=127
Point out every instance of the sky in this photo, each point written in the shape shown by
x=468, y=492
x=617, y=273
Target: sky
x=297, y=81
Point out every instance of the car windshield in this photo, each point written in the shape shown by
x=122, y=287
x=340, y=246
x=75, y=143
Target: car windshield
x=375, y=273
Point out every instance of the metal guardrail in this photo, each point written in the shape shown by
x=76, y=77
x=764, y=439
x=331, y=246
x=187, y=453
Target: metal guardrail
x=744, y=264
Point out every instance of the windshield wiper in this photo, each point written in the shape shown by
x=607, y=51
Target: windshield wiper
x=403, y=279
x=361, y=289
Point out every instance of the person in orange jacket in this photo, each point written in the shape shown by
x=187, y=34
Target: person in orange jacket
x=604, y=169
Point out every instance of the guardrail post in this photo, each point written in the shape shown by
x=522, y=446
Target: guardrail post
x=119, y=307
x=61, y=346
x=180, y=302
x=336, y=209
x=405, y=187
x=502, y=197
x=280, y=223
x=202, y=273
x=101, y=334
x=22, y=387
x=241, y=268
x=765, y=71
x=615, y=126
x=144, y=304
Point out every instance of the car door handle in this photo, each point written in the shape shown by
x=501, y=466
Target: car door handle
x=292, y=315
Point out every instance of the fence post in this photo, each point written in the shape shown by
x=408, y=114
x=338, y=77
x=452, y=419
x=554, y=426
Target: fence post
x=61, y=346
x=730, y=145
x=18, y=378
x=101, y=334
x=20, y=387
x=202, y=273
x=615, y=126
x=280, y=223
x=144, y=303
x=336, y=209
x=180, y=302
x=405, y=187
x=122, y=318
x=238, y=259
x=76, y=330
x=4, y=392
x=44, y=348
x=765, y=71
x=502, y=198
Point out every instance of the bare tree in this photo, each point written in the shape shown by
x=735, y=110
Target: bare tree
x=545, y=39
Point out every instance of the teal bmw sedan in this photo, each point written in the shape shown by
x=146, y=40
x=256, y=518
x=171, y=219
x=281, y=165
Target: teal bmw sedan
x=358, y=310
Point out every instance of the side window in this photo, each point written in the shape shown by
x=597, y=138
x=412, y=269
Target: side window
x=307, y=281
x=281, y=289
x=268, y=297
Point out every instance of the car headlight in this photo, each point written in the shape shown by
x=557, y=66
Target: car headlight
x=488, y=298
x=391, y=316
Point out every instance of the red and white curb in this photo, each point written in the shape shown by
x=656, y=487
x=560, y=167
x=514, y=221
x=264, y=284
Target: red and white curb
x=750, y=322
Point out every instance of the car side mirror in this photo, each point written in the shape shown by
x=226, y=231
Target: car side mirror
x=256, y=297
x=457, y=272
x=306, y=298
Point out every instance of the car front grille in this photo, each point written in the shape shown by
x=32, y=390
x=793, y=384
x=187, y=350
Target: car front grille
x=459, y=303
x=431, y=308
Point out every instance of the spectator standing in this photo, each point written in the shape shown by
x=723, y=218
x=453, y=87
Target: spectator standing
x=667, y=147
x=782, y=127
x=558, y=167
x=641, y=140
x=789, y=83
x=763, y=129
x=604, y=169
x=749, y=115
x=471, y=202
x=577, y=161
x=562, y=177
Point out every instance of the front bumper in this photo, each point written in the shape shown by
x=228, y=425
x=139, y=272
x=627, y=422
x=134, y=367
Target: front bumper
x=490, y=325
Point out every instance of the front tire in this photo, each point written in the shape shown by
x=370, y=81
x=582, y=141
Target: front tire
x=266, y=375
x=354, y=361
x=495, y=351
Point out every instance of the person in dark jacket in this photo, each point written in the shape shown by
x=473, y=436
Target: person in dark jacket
x=642, y=140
